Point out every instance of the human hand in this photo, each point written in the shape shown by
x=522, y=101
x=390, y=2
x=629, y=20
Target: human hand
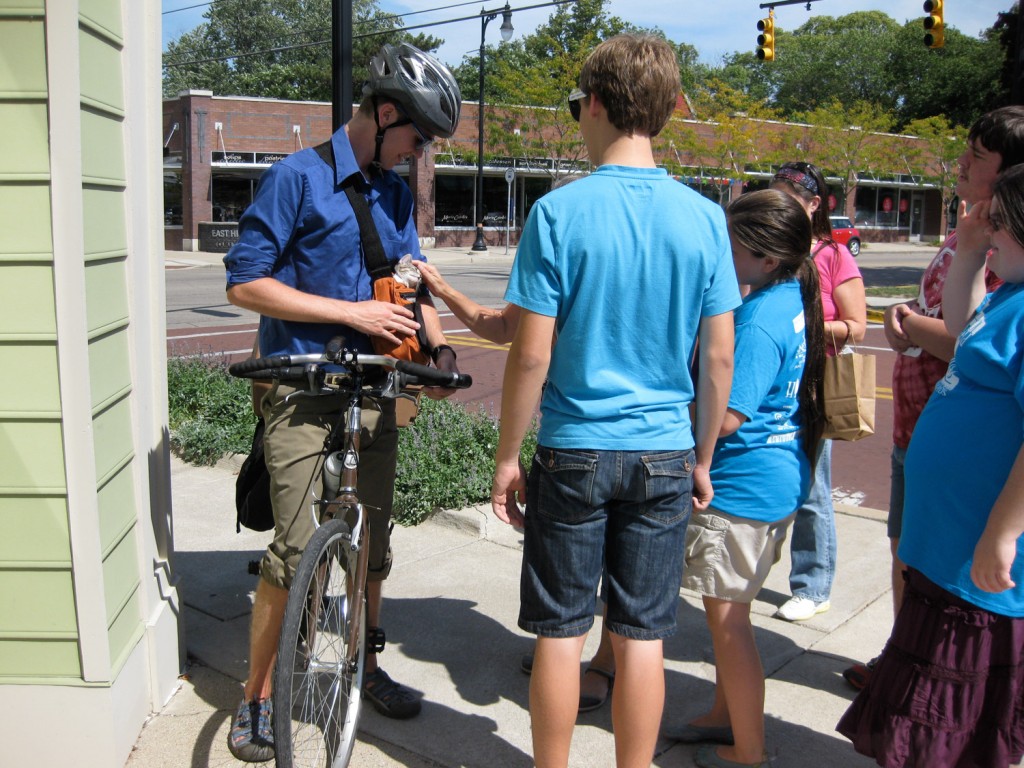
x=384, y=319
x=897, y=338
x=703, y=493
x=432, y=278
x=508, y=486
x=993, y=558
x=445, y=361
x=972, y=230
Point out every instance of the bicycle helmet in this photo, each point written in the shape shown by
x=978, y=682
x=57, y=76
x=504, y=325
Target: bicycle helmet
x=423, y=87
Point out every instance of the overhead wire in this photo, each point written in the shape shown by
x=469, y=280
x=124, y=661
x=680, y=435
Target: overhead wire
x=297, y=46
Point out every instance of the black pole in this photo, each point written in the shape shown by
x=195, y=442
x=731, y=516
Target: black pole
x=480, y=244
x=341, y=63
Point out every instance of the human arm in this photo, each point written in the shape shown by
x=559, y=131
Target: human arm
x=269, y=296
x=997, y=547
x=714, y=382
x=497, y=325
x=928, y=333
x=525, y=371
x=443, y=355
x=852, y=323
x=731, y=422
x=965, y=284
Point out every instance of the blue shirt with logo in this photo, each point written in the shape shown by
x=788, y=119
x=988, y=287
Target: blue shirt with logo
x=962, y=450
x=760, y=471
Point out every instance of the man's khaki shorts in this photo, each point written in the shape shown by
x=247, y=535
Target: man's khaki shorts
x=293, y=444
x=729, y=557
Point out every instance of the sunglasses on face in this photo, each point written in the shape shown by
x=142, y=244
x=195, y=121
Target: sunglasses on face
x=574, y=103
x=424, y=140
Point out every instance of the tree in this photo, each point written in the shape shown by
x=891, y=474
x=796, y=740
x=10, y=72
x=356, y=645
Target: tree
x=845, y=141
x=276, y=48
x=729, y=145
x=934, y=157
x=959, y=81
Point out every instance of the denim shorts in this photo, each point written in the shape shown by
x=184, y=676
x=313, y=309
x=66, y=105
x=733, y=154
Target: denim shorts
x=621, y=511
x=894, y=525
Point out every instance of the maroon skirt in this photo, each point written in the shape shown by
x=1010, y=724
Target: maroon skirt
x=948, y=690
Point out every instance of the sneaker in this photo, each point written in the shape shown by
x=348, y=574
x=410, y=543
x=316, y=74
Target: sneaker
x=388, y=697
x=859, y=675
x=799, y=608
x=249, y=743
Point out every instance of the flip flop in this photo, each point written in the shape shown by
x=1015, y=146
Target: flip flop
x=590, y=703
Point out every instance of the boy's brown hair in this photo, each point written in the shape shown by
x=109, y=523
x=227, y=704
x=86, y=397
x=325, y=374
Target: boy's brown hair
x=636, y=77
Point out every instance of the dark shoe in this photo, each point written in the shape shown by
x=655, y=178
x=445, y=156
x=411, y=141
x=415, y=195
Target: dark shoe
x=859, y=675
x=251, y=738
x=388, y=697
x=707, y=757
x=526, y=663
x=696, y=734
x=590, y=703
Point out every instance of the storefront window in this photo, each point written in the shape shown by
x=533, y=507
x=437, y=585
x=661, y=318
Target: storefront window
x=883, y=207
x=453, y=201
x=231, y=196
x=172, y=200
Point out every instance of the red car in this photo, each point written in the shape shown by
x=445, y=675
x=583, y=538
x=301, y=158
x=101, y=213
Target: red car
x=845, y=233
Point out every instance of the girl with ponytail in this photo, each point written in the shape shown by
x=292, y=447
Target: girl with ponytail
x=762, y=464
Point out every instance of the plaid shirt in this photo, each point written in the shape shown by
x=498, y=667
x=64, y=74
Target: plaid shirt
x=914, y=378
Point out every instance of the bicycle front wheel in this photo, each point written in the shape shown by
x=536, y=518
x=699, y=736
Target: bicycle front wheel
x=318, y=680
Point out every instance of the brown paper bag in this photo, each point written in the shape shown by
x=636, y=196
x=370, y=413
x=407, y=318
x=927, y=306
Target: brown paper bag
x=849, y=396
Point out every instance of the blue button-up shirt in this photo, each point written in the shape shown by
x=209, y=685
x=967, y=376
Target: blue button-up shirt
x=302, y=231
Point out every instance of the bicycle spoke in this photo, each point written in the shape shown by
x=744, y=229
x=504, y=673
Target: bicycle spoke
x=314, y=683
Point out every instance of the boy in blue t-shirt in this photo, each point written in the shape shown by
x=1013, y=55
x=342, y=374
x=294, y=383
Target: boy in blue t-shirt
x=630, y=268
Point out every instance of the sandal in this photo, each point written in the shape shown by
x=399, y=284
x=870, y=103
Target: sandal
x=589, y=703
x=859, y=675
x=388, y=697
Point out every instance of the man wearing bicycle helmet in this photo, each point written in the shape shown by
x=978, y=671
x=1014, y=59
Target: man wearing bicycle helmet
x=298, y=262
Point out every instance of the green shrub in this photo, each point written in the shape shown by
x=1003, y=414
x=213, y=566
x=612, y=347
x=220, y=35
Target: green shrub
x=210, y=410
x=445, y=459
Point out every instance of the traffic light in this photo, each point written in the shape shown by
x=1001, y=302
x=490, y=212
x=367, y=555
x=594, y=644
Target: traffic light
x=766, y=40
x=935, y=27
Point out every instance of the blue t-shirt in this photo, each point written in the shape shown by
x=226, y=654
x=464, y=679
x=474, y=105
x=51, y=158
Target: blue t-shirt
x=627, y=261
x=760, y=471
x=961, y=452
x=302, y=231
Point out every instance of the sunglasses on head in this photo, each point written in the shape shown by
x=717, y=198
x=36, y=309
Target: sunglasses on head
x=574, y=103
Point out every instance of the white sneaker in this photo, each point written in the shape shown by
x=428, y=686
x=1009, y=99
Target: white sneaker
x=801, y=609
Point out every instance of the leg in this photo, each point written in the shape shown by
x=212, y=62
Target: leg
x=894, y=526
x=814, y=535
x=739, y=678
x=267, y=613
x=637, y=700
x=594, y=687
x=898, y=569
x=374, y=597
x=554, y=698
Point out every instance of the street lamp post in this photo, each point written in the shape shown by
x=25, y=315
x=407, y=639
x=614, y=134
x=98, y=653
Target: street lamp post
x=506, y=35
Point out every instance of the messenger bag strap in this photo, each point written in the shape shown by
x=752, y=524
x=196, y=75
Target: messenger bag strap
x=377, y=263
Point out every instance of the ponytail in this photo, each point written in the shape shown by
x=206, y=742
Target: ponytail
x=811, y=395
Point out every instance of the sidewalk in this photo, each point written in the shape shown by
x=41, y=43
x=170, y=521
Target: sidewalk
x=450, y=611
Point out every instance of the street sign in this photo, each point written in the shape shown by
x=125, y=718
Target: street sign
x=510, y=175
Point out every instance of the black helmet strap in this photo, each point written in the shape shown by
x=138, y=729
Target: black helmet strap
x=375, y=167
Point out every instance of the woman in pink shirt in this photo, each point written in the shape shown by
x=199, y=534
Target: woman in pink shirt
x=813, y=548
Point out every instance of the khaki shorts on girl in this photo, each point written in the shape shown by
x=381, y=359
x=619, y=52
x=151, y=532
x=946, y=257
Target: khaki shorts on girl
x=729, y=557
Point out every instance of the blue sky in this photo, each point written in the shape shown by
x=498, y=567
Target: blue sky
x=714, y=28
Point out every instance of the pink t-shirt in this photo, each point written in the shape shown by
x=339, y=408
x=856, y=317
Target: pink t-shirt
x=835, y=266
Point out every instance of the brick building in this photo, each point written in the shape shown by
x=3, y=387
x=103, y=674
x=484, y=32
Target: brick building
x=216, y=148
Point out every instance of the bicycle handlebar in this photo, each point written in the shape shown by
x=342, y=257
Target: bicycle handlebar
x=294, y=367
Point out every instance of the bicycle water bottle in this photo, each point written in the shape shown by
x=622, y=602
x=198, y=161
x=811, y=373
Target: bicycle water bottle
x=332, y=475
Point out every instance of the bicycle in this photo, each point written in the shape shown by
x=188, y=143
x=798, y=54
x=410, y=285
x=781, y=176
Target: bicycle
x=317, y=684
